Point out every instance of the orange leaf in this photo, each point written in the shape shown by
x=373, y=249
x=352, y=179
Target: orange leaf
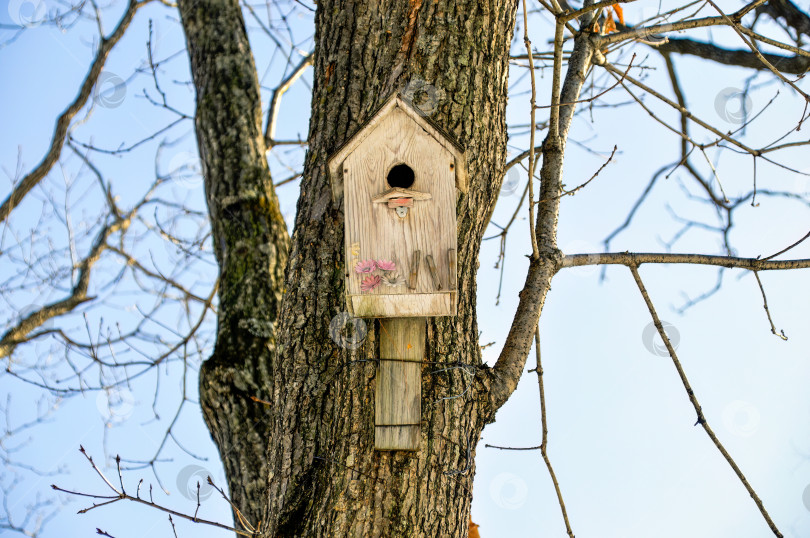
x=473, y=533
x=619, y=13
x=610, y=25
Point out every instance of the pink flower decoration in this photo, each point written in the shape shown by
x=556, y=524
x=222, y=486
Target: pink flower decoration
x=386, y=265
x=370, y=282
x=365, y=266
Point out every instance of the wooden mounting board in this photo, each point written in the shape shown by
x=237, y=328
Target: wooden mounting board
x=398, y=398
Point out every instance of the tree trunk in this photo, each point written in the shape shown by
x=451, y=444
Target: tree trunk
x=250, y=242
x=326, y=479
x=305, y=464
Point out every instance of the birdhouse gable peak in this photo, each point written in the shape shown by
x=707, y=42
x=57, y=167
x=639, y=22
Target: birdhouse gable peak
x=395, y=104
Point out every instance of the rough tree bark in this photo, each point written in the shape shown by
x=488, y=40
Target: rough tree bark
x=325, y=477
x=291, y=412
x=250, y=242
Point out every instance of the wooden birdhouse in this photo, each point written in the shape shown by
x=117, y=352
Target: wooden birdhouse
x=399, y=176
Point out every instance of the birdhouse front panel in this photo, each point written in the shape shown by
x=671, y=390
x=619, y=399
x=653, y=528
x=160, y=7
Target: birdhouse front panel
x=399, y=186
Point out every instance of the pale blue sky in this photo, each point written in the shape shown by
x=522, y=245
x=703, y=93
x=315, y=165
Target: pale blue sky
x=629, y=460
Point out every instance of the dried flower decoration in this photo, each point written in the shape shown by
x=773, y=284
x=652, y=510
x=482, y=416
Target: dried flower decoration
x=365, y=266
x=370, y=282
x=386, y=265
x=393, y=279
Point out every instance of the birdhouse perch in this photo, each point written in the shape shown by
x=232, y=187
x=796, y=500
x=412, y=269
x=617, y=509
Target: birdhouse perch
x=398, y=177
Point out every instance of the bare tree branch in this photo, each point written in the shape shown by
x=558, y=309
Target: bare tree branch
x=628, y=259
x=31, y=179
x=510, y=363
x=796, y=65
x=122, y=495
x=275, y=102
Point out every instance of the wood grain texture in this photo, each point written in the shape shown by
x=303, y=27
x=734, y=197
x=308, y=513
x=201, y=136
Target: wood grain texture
x=398, y=411
x=413, y=278
x=395, y=102
x=402, y=305
x=429, y=227
x=452, y=264
x=434, y=274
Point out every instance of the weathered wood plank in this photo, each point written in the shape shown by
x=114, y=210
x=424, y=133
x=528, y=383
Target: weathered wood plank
x=397, y=438
x=452, y=264
x=416, y=259
x=397, y=306
x=398, y=398
x=434, y=274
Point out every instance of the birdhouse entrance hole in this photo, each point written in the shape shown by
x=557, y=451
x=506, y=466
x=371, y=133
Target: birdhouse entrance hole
x=401, y=176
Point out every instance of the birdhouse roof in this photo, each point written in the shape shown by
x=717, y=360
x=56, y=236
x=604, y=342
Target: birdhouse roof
x=396, y=102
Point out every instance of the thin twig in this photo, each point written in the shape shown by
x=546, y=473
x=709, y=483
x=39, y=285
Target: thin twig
x=780, y=334
x=532, y=163
x=31, y=179
x=513, y=447
x=797, y=243
x=755, y=50
x=693, y=398
x=121, y=496
x=582, y=186
x=544, y=425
